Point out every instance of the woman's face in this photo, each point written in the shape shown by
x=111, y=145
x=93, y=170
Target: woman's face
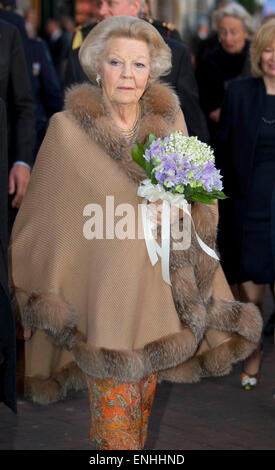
x=268, y=60
x=232, y=34
x=125, y=70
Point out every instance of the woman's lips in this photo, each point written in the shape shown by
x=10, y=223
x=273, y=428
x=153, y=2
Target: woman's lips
x=125, y=88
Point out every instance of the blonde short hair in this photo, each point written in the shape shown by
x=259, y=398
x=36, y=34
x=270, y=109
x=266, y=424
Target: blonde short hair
x=234, y=10
x=92, y=49
x=262, y=39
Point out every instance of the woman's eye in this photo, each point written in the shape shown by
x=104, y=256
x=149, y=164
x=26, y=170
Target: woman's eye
x=139, y=65
x=114, y=62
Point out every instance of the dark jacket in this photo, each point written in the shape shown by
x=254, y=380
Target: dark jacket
x=166, y=29
x=7, y=328
x=273, y=226
x=215, y=69
x=17, y=20
x=181, y=78
x=235, y=149
x=240, y=117
x=59, y=49
x=15, y=90
x=45, y=87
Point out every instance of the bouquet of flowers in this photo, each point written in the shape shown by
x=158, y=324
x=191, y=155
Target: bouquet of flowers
x=180, y=169
x=181, y=165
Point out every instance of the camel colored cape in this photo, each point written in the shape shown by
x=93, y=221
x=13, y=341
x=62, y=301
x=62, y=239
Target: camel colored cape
x=105, y=310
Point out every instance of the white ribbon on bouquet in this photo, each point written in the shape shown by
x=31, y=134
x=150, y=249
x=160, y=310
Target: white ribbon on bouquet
x=153, y=192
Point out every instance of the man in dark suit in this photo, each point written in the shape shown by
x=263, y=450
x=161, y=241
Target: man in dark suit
x=15, y=90
x=73, y=71
x=59, y=45
x=7, y=328
x=45, y=87
x=181, y=76
x=86, y=17
x=8, y=14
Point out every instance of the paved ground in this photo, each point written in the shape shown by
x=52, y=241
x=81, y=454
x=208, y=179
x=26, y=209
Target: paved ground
x=215, y=414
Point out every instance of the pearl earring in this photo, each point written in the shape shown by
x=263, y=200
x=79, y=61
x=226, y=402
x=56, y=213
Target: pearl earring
x=98, y=80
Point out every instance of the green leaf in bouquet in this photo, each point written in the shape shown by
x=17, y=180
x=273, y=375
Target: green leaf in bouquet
x=199, y=197
x=151, y=139
x=137, y=155
x=215, y=194
x=179, y=189
x=199, y=194
x=188, y=191
x=153, y=179
x=219, y=195
x=149, y=168
x=141, y=149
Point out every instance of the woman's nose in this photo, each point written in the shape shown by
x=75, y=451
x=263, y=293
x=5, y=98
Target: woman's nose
x=127, y=70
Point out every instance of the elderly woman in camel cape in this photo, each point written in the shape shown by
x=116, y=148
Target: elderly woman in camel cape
x=96, y=307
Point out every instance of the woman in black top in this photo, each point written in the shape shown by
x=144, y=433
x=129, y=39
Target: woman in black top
x=246, y=155
x=226, y=60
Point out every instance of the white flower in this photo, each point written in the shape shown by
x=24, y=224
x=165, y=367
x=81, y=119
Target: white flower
x=197, y=152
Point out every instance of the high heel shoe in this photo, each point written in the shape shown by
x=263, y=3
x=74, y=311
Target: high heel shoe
x=249, y=382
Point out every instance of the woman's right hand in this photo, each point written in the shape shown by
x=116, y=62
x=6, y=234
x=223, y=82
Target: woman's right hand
x=23, y=333
x=27, y=334
x=215, y=115
x=156, y=212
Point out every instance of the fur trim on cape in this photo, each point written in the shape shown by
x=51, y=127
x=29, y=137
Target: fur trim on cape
x=181, y=357
x=57, y=387
x=159, y=106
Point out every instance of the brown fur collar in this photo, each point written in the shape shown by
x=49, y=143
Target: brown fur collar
x=159, y=105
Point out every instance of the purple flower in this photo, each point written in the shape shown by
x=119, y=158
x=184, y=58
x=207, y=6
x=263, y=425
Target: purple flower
x=209, y=177
x=172, y=167
x=147, y=155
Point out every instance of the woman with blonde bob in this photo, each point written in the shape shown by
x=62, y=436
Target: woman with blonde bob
x=92, y=287
x=247, y=156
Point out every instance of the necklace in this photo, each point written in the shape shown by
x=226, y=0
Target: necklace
x=129, y=134
x=269, y=109
x=266, y=121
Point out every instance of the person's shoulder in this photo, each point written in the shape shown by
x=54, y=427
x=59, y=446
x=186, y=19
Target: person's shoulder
x=87, y=28
x=12, y=18
x=36, y=42
x=6, y=26
x=60, y=125
x=165, y=29
x=177, y=48
x=242, y=85
x=58, y=119
x=39, y=43
x=65, y=129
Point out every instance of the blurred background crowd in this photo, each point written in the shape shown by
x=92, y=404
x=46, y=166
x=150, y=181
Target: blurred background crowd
x=39, y=42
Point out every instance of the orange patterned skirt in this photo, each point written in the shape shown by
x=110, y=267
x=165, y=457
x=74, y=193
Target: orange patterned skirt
x=120, y=412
